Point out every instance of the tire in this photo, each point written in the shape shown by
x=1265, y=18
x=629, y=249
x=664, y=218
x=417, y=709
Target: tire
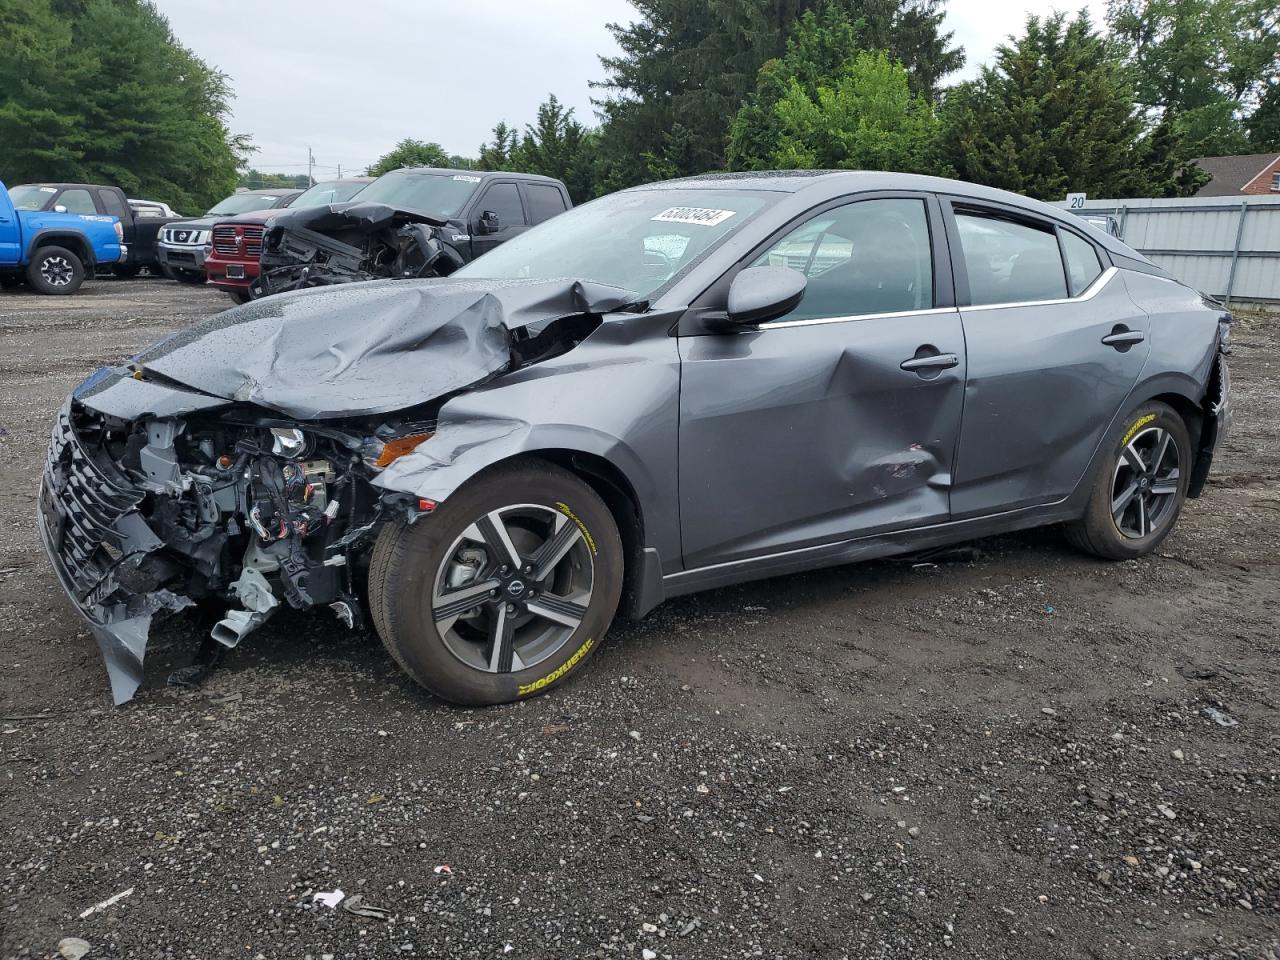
x=55, y=271
x=539, y=506
x=1149, y=499
x=239, y=297
x=127, y=272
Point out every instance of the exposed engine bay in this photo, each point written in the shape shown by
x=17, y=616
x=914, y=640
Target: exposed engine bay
x=317, y=246
x=242, y=465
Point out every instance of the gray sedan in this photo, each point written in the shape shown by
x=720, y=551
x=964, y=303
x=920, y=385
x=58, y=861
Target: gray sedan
x=675, y=387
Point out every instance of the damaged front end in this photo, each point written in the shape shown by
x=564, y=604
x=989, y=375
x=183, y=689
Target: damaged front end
x=345, y=243
x=230, y=505
x=242, y=464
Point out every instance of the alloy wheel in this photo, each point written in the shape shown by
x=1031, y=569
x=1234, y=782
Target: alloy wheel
x=57, y=271
x=513, y=588
x=1144, y=489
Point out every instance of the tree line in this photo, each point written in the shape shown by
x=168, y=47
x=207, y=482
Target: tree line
x=101, y=91
x=1121, y=109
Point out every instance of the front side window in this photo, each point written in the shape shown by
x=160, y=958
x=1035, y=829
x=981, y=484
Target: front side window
x=504, y=200
x=1010, y=262
x=866, y=257
x=1083, y=266
x=77, y=201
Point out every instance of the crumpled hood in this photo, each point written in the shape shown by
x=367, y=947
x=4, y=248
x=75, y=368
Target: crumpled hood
x=366, y=348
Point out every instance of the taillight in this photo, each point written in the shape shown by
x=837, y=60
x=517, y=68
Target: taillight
x=1224, y=333
x=119, y=232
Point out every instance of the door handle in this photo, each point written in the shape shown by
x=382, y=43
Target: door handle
x=1121, y=337
x=938, y=361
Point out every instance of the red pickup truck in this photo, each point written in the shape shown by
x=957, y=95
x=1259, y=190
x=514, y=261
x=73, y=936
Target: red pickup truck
x=232, y=262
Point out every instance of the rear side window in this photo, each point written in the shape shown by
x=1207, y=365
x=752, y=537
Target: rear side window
x=1010, y=262
x=504, y=200
x=77, y=201
x=544, y=201
x=866, y=257
x=1083, y=265
x=111, y=203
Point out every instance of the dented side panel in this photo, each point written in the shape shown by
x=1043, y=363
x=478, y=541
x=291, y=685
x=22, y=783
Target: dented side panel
x=803, y=434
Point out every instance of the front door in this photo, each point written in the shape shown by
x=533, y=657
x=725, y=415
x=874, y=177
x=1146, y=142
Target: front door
x=839, y=419
x=1053, y=352
x=502, y=198
x=10, y=232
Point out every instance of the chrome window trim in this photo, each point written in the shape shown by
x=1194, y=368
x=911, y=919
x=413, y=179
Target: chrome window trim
x=1093, y=290
x=817, y=321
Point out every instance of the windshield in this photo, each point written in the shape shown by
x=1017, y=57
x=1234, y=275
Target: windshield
x=243, y=203
x=334, y=191
x=635, y=240
x=441, y=195
x=30, y=197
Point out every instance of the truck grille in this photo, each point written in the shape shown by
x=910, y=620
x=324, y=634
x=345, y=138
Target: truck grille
x=236, y=240
x=82, y=504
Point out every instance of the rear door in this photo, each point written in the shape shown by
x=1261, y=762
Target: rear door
x=543, y=201
x=840, y=419
x=1055, y=344
x=503, y=198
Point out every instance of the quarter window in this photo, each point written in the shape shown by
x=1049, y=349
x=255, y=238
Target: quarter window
x=111, y=203
x=1009, y=262
x=504, y=200
x=866, y=257
x=544, y=201
x=1083, y=265
x=77, y=201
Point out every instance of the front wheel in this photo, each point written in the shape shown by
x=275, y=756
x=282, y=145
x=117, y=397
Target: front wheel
x=504, y=590
x=239, y=297
x=56, y=271
x=1140, y=487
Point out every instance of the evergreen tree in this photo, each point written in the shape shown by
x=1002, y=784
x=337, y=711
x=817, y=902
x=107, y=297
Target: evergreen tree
x=687, y=65
x=499, y=154
x=1055, y=113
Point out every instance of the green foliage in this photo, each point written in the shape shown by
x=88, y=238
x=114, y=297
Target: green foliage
x=101, y=91
x=1204, y=65
x=554, y=145
x=867, y=119
x=410, y=153
x=686, y=67
x=254, y=179
x=1056, y=113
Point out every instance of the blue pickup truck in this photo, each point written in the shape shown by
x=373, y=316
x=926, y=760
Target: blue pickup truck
x=52, y=250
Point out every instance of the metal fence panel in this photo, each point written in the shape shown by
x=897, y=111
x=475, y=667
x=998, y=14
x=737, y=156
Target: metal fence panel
x=1228, y=247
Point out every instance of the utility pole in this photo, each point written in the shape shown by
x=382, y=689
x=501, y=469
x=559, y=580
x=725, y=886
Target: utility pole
x=339, y=170
x=311, y=181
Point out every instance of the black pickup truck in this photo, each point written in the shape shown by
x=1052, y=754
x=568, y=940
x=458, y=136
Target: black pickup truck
x=140, y=230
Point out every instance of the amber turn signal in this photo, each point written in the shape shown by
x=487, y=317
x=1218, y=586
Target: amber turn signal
x=395, y=449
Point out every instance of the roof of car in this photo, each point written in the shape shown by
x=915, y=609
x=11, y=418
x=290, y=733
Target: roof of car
x=483, y=174
x=830, y=184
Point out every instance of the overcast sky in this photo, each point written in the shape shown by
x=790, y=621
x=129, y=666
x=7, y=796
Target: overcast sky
x=349, y=82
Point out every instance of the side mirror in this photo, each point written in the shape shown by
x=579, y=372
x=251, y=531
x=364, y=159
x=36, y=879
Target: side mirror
x=760, y=294
x=488, y=223
x=59, y=208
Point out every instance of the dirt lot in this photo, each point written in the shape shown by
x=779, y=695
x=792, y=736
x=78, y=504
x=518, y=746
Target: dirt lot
x=1011, y=756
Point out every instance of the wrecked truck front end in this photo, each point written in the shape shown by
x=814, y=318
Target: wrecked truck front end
x=233, y=467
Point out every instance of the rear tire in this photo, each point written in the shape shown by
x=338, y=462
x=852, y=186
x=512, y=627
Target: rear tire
x=127, y=271
x=239, y=297
x=523, y=628
x=1140, y=486
x=183, y=276
x=55, y=271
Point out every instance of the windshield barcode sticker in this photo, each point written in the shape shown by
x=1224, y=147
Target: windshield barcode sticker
x=699, y=215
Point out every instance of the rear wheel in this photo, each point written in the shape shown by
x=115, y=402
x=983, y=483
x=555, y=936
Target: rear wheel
x=183, y=276
x=127, y=271
x=239, y=296
x=56, y=271
x=504, y=590
x=1140, y=488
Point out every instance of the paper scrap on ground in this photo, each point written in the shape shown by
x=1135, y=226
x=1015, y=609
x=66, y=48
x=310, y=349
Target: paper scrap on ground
x=110, y=901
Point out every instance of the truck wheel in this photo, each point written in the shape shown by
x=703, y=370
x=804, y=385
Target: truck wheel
x=239, y=296
x=56, y=271
x=127, y=272
x=504, y=590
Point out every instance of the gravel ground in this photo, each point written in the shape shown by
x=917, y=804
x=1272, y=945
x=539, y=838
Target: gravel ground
x=1020, y=753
